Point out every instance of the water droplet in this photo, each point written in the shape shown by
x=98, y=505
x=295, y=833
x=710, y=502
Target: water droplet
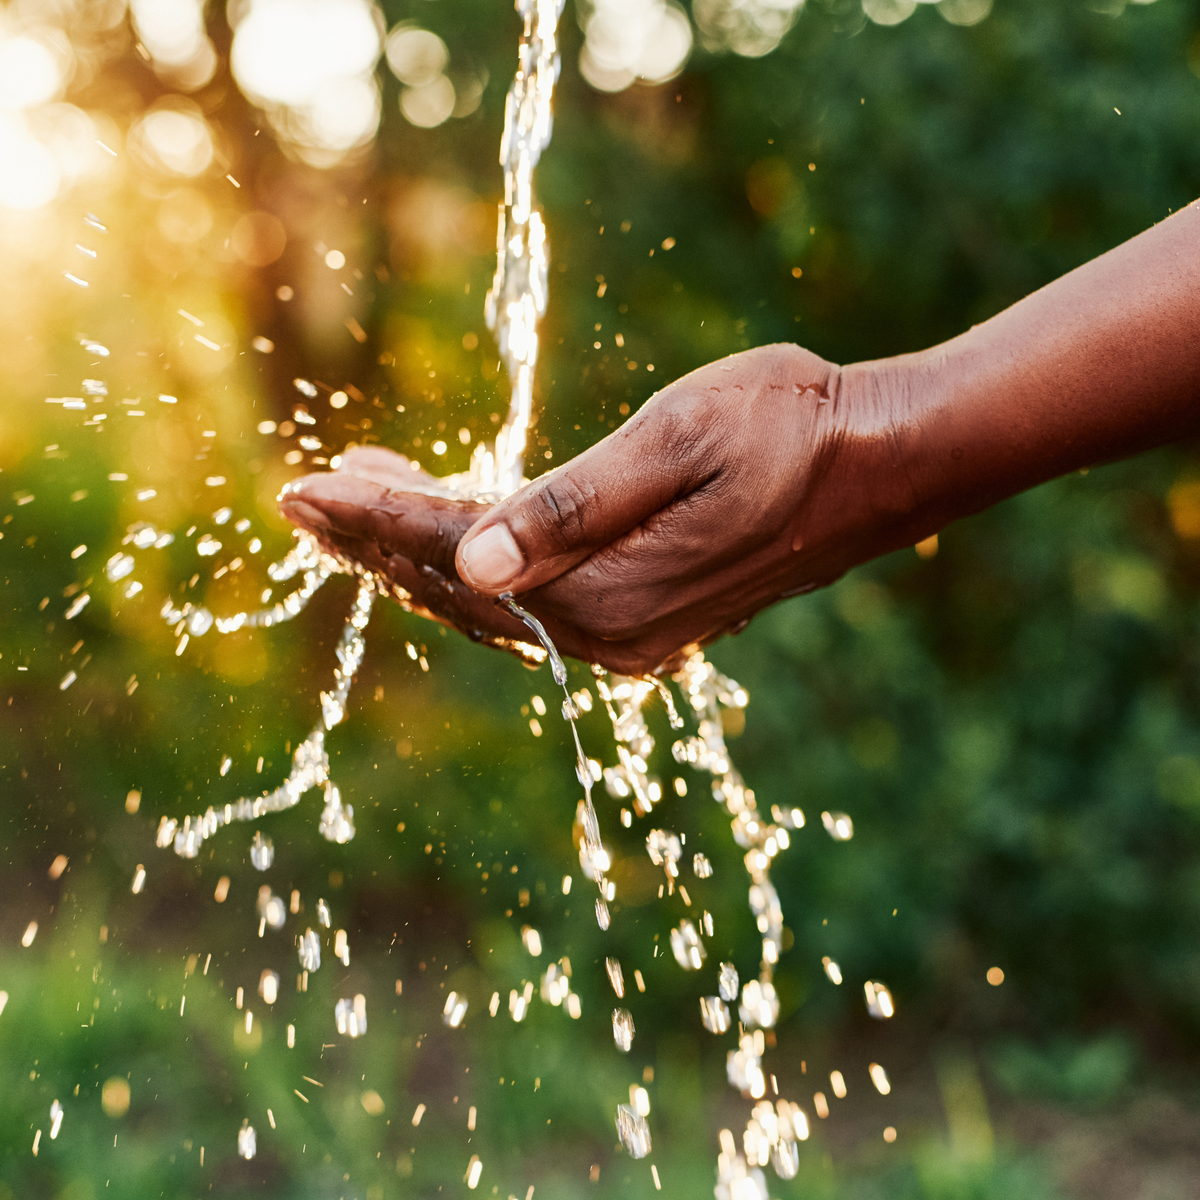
x=268, y=986
x=351, y=1016
x=262, y=851
x=615, y=976
x=760, y=1004
x=714, y=1014
x=633, y=1131
x=247, y=1141
x=879, y=1000
x=687, y=947
x=119, y=566
x=310, y=951
x=838, y=825
x=455, y=1010
x=665, y=850
x=728, y=983
x=622, y=1022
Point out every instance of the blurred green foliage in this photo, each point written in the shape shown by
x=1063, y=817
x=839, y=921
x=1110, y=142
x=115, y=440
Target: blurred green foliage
x=1012, y=724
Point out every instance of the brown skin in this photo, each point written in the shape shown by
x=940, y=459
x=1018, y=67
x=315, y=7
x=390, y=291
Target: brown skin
x=773, y=472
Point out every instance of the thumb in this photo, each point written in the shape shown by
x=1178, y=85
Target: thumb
x=565, y=516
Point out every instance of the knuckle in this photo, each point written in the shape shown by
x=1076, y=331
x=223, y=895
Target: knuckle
x=440, y=543
x=681, y=434
x=562, y=508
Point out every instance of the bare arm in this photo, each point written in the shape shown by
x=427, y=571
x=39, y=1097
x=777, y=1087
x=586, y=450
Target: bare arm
x=1099, y=365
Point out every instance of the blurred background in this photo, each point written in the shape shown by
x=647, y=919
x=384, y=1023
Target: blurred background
x=202, y=204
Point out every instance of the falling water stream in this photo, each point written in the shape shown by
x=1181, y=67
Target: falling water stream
x=744, y=1012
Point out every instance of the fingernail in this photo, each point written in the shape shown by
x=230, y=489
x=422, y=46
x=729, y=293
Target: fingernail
x=307, y=517
x=492, y=559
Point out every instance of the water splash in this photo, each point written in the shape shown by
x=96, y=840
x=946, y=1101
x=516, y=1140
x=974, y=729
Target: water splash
x=515, y=304
x=310, y=763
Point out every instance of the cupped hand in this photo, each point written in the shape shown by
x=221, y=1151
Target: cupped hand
x=757, y=477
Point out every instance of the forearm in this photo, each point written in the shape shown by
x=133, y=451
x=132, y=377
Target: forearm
x=1097, y=366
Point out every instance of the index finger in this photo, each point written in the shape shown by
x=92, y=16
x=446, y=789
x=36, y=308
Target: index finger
x=420, y=527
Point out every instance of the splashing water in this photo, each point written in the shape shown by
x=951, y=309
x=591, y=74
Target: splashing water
x=515, y=304
x=310, y=763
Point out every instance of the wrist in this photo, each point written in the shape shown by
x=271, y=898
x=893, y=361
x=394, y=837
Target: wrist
x=939, y=443
x=898, y=482
x=957, y=440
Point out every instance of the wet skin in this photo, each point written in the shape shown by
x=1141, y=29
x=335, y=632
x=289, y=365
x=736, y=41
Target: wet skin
x=773, y=472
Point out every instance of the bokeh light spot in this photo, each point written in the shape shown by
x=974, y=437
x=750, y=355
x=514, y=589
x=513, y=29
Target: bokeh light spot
x=258, y=239
x=29, y=72
x=173, y=138
x=416, y=56
x=430, y=104
x=29, y=173
x=114, y=1097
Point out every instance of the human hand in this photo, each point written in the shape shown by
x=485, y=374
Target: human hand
x=773, y=472
x=763, y=475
